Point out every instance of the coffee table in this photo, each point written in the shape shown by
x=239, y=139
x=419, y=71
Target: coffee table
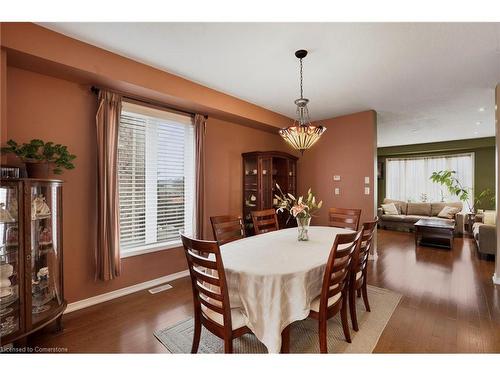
x=435, y=232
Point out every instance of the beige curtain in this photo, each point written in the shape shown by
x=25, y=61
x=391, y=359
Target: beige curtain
x=108, y=216
x=199, y=131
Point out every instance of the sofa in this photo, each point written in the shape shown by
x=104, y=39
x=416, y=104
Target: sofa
x=409, y=213
x=484, y=231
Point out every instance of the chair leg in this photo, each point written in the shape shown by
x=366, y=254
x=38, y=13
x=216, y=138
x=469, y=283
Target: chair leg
x=365, y=296
x=285, y=340
x=197, y=333
x=228, y=345
x=322, y=330
x=345, y=323
x=352, y=309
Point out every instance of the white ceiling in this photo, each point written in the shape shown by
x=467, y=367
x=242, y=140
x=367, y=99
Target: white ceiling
x=426, y=81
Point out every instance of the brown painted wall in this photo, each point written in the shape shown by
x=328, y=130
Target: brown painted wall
x=225, y=143
x=53, y=109
x=347, y=148
x=44, y=107
x=3, y=97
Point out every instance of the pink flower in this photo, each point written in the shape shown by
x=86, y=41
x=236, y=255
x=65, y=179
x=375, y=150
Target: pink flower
x=298, y=209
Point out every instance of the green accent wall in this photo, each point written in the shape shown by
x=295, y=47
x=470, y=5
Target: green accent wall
x=484, y=160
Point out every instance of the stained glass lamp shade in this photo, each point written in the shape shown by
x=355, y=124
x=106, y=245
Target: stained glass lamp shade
x=302, y=134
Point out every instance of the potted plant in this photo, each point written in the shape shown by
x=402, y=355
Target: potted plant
x=40, y=156
x=448, y=179
x=484, y=199
x=301, y=209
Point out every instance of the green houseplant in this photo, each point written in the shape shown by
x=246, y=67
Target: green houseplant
x=448, y=179
x=485, y=199
x=39, y=156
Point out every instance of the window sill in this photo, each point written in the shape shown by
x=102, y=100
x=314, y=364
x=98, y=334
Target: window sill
x=150, y=249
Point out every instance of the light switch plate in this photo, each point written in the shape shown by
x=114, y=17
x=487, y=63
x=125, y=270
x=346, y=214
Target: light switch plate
x=367, y=191
x=367, y=180
x=337, y=191
x=336, y=178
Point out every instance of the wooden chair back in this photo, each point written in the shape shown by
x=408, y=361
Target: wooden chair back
x=367, y=232
x=338, y=267
x=347, y=218
x=265, y=221
x=227, y=228
x=208, y=281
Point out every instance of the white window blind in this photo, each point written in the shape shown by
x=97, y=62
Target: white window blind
x=408, y=179
x=156, y=177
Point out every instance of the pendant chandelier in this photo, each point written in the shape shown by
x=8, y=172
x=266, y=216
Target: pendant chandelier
x=302, y=134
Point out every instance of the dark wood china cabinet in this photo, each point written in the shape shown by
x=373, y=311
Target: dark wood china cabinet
x=261, y=172
x=31, y=260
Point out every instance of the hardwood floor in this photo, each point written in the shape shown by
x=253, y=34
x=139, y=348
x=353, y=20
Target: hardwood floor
x=450, y=305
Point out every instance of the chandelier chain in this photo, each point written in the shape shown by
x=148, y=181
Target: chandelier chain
x=301, y=89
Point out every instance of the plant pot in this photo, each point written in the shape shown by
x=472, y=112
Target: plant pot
x=37, y=169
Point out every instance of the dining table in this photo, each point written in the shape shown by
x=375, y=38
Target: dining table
x=273, y=278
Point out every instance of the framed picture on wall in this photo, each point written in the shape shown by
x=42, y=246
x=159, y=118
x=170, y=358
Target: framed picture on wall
x=380, y=170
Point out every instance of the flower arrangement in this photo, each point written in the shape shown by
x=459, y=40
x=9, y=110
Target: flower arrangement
x=298, y=208
x=301, y=209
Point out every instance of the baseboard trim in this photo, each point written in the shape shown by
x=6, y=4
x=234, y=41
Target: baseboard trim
x=496, y=279
x=123, y=292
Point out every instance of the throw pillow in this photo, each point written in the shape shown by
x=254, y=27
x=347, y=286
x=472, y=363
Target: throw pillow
x=490, y=217
x=448, y=212
x=390, y=209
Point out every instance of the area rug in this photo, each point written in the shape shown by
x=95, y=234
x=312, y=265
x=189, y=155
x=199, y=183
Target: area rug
x=303, y=334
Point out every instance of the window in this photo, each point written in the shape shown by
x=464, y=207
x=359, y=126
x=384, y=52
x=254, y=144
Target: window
x=155, y=177
x=408, y=178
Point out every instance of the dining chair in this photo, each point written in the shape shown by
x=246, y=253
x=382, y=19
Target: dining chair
x=334, y=292
x=357, y=282
x=347, y=218
x=210, y=294
x=265, y=221
x=227, y=228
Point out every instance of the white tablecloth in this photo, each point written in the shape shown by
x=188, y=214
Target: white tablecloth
x=273, y=278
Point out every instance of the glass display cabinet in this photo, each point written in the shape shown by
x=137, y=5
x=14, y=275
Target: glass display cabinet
x=31, y=273
x=261, y=172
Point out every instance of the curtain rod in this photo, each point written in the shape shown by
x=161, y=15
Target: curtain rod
x=96, y=90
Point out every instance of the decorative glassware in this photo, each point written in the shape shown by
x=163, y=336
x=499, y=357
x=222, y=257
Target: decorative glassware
x=45, y=237
x=11, y=238
x=41, y=294
x=5, y=215
x=9, y=296
x=303, y=228
x=8, y=326
x=39, y=208
x=9, y=257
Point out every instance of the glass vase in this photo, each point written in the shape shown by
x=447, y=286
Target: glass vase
x=303, y=228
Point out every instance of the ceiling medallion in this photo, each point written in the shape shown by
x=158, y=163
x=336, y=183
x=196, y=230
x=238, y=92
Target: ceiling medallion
x=302, y=134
